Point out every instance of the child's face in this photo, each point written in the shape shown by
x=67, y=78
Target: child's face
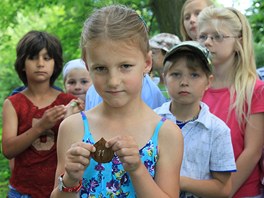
x=222, y=50
x=186, y=85
x=190, y=15
x=40, y=67
x=157, y=59
x=77, y=82
x=117, y=69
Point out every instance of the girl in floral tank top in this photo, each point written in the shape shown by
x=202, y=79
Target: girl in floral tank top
x=127, y=150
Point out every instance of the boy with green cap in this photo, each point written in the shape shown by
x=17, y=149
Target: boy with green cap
x=208, y=158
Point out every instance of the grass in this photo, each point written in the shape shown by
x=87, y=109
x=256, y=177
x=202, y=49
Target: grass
x=4, y=172
x=4, y=176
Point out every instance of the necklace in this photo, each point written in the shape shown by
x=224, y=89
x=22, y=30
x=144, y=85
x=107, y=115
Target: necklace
x=182, y=123
x=185, y=121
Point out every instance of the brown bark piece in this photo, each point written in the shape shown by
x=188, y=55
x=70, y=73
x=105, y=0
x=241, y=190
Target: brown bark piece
x=102, y=154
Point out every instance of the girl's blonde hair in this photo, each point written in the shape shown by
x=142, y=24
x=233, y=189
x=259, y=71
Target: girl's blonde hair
x=115, y=22
x=184, y=34
x=243, y=75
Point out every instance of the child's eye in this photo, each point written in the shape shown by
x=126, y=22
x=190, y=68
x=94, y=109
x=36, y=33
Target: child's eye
x=100, y=69
x=84, y=82
x=186, y=17
x=47, y=58
x=126, y=66
x=71, y=82
x=176, y=74
x=197, y=12
x=33, y=57
x=194, y=75
x=218, y=37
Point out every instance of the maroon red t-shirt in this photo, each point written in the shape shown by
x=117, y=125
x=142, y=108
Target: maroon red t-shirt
x=34, y=169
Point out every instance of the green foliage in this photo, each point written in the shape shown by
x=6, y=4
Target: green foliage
x=256, y=18
x=259, y=51
x=64, y=19
x=4, y=175
x=4, y=172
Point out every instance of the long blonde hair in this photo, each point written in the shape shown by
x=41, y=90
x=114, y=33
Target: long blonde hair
x=244, y=70
x=115, y=22
x=184, y=34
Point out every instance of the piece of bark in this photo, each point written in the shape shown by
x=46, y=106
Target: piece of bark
x=102, y=154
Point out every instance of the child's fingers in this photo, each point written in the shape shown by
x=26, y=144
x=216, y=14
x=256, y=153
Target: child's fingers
x=120, y=142
x=81, y=149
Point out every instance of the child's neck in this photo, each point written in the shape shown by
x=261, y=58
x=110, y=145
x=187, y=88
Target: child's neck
x=185, y=113
x=41, y=96
x=124, y=111
x=223, y=76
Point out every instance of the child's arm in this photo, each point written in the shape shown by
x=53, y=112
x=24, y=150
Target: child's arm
x=251, y=154
x=23, y=141
x=74, y=106
x=219, y=186
x=73, y=158
x=166, y=182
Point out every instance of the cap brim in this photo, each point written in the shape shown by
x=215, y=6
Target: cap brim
x=186, y=47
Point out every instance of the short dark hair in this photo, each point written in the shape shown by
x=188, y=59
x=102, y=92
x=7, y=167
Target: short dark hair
x=192, y=61
x=30, y=45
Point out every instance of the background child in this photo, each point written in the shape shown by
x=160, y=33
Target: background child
x=208, y=158
x=31, y=117
x=115, y=47
x=160, y=44
x=76, y=78
x=189, y=13
x=236, y=95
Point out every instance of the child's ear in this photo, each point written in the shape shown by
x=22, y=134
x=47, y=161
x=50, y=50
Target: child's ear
x=210, y=81
x=84, y=58
x=148, y=62
x=164, y=78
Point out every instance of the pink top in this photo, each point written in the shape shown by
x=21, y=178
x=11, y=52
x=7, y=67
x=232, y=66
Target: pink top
x=219, y=101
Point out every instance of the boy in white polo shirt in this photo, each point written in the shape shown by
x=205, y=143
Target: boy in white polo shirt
x=208, y=159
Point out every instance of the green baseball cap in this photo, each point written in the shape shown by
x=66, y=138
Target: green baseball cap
x=193, y=47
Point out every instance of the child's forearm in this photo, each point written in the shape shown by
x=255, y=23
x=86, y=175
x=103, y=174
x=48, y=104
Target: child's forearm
x=245, y=165
x=145, y=186
x=206, y=188
x=21, y=142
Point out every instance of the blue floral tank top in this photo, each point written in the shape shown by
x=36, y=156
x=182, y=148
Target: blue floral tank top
x=101, y=180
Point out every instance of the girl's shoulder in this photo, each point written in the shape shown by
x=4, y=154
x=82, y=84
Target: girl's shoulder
x=258, y=93
x=63, y=95
x=72, y=125
x=64, y=98
x=259, y=86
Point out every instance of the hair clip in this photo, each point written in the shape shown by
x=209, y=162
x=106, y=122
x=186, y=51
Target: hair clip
x=145, y=24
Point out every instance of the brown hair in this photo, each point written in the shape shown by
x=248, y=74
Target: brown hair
x=30, y=45
x=115, y=22
x=192, y=61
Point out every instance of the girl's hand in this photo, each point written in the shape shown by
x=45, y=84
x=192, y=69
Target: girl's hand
x=127, y=150
x=74, y=106
x=50, y=118
x=77, y=159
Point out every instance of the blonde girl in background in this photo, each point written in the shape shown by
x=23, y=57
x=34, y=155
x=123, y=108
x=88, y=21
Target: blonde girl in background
x=188, y=21
x=236, y=95
x=76, y=78
x=147, y=148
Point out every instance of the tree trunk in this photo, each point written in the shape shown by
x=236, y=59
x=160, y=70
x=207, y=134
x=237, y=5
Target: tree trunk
x=167, y=13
